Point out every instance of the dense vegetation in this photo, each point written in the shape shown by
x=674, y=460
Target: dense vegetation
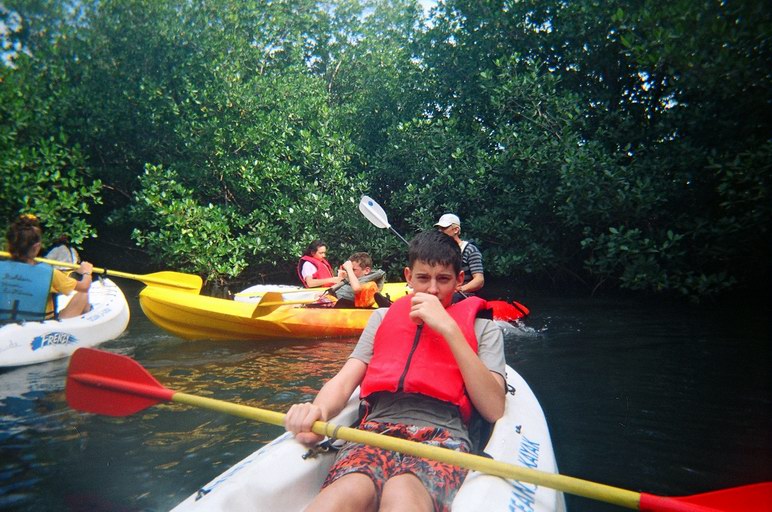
x=612, y=144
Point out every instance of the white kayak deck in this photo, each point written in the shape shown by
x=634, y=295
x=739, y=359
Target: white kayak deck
x=36, y=342
x=277, y=478
x=255, y=293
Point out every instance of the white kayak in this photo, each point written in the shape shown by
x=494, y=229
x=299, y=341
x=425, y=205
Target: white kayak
x=277, y=477
x=36, y=342
x=255, y=293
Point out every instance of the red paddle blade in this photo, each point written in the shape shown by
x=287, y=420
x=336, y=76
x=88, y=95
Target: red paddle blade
x=748, y=498
x=111, y=384
x=506, y=311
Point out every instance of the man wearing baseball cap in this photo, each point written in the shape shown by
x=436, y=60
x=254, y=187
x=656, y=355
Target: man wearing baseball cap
x=471, y=257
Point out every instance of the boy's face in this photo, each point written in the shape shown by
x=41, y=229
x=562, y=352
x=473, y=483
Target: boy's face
x=439, y=280
x=358, y=269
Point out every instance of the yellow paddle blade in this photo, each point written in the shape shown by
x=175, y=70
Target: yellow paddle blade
x=169, y=279
x=268, y=303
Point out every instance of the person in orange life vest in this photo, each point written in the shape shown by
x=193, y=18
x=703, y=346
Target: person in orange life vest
x=471, y=257
x=314, y=269
x=361, y=282
x=24, y=238
x=457, y=364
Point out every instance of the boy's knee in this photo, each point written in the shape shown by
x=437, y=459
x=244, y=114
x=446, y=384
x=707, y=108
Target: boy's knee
x=405, y=493
x=354, y=491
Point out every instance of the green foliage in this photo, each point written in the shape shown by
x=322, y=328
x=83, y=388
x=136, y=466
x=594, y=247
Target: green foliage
x=49, y=179
x=188, y=235
x=230, y=121
x=613, y=144
x=588, y=118
x=41, y=172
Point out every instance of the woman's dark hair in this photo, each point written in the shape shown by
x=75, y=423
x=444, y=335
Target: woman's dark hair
x=313, y=247
x=62, y=240
x=435, y=248
x=23, y=233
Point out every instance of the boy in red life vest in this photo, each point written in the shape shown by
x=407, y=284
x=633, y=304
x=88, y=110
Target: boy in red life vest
x=423, y=366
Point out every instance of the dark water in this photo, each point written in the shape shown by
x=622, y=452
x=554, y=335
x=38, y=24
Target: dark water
x=665, y=399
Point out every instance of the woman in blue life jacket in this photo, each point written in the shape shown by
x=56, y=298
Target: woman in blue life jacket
x=24, y=239
x=313, y=268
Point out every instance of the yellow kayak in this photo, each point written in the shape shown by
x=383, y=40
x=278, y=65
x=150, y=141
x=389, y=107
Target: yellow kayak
x=201, y=317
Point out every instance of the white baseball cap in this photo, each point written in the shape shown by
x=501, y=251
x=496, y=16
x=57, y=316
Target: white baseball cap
x=447, y=220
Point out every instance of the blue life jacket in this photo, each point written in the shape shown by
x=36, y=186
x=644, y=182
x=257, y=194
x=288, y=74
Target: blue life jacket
x=24, y=291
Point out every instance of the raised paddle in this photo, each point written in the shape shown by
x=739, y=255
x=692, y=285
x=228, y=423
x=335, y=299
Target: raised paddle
x=104, y=383
x=375, y=214
x=187, y=282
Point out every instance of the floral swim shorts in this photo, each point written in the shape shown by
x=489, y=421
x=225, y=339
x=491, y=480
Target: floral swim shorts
x=441, y=480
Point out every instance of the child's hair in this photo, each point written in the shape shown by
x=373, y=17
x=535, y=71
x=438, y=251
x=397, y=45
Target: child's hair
x=62, y=240
x=435, y=248
x=364, y=259
x=23, y=233
x=313, y=247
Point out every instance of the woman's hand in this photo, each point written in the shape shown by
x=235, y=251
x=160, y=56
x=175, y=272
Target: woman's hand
x=85, y=268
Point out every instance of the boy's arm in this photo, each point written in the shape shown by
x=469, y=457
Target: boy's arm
x=486, y=388
x=477, y=282
x=313, y=282
x=353, y=280
x=330, y=401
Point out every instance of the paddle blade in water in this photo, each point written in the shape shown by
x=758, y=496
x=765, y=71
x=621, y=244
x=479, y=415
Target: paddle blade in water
x=110, y=384
x=506, y=311
x=373, y=212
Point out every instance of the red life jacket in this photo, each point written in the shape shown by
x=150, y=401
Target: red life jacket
x=420, y=362
x=323, y=268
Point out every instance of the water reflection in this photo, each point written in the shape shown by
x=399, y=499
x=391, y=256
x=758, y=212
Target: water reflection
x=666, y=400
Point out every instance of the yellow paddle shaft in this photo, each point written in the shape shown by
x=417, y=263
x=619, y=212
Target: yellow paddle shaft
x=576, y=486
x=116, y=273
